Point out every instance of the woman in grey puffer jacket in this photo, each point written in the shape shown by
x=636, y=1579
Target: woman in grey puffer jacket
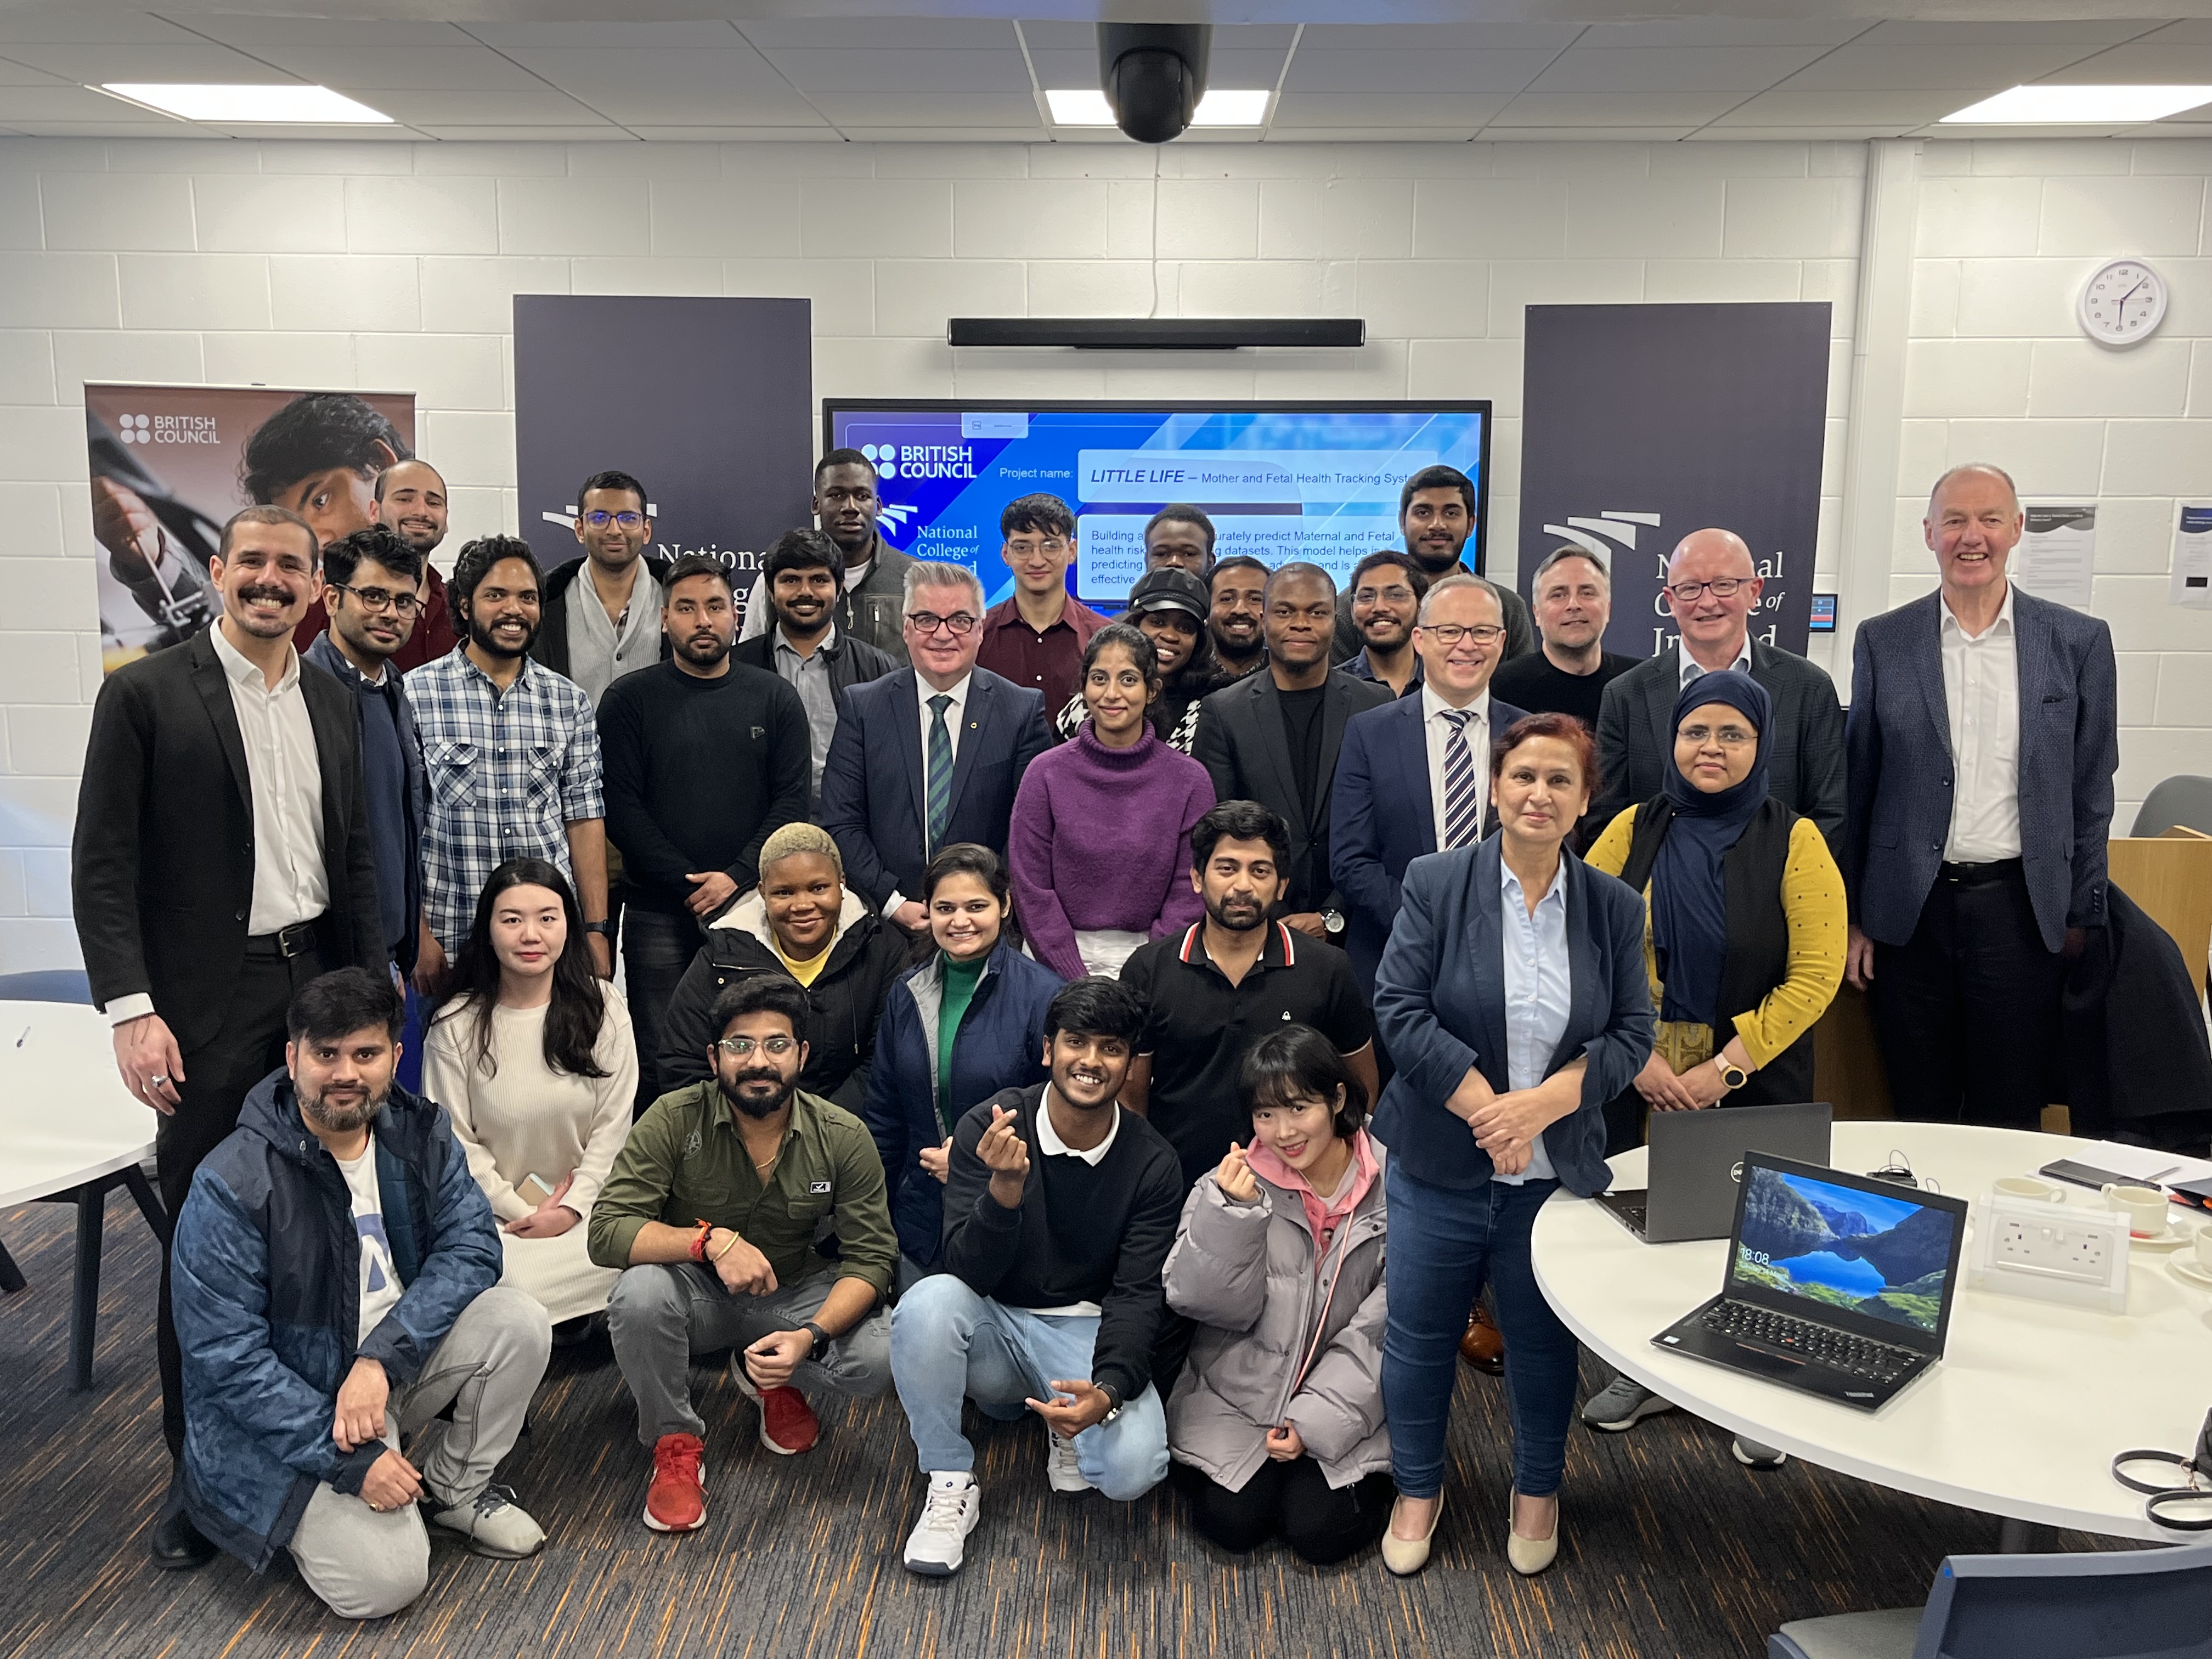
x=1276, y=1423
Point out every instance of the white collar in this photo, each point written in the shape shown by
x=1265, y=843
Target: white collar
x=1952, y=624
x=1434, y=706
x=958, y=691
x=1510, y=885
x=1051, y=1146
x=1692, y=669
x=244, y=671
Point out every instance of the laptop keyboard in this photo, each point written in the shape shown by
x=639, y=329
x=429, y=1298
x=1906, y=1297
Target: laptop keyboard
x=1855, y=1356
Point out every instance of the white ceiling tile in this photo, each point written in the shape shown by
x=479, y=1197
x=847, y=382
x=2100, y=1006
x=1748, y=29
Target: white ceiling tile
x=1722, y=31
x=922, y=109
x=465, y=67
x=1900, y=67
x=1053, y=34
x=184, y=60
x=1590, y=110
x=944, y=34
x=2166, y=63
x=397, y=133
x=1584, y=135
x=1437, y=37
x=1445, y=113
x=1429, y=71
x=82, y=26
x=1672, y=68
x=1787, y=106
x=2084, y=35
x=946, y=135
x=74, y=103
x=1279, y=134
x=533, y=104
x=814, y=134
x=708, y=35
x=255, y=35
x=2190, y=31
x=521, y=134
x=871, y=70
x=13, y=74
x=673, y=88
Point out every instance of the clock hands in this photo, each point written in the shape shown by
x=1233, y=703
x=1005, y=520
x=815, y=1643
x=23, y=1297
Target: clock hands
x=2120, y=305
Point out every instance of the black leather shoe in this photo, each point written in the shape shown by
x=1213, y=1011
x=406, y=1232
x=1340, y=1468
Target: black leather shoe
x=177, y=1546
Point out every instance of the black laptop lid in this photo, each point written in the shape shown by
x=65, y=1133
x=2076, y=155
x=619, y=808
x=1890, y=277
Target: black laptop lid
x=1872, y=1257
x=1696, y=1159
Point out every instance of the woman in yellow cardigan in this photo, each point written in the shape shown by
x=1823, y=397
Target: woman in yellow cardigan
x=1744, y=936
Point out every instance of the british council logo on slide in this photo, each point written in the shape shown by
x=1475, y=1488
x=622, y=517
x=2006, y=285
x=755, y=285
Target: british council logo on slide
x=884, y=457
x=165, y=429
x=134, y=430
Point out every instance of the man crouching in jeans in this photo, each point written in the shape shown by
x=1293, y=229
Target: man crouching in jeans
x=712, y=1210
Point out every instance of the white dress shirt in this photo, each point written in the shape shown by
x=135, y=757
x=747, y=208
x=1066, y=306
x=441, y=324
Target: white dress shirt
x=1438, y=732
x=1539, y=993
x=1981, y=694
x=1049, y=1145
x=955, y=718
x=289, y=881
x=1692, y=669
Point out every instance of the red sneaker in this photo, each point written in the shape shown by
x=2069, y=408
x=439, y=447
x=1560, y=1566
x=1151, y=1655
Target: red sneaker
x=676, y=1499
x=788, y=1426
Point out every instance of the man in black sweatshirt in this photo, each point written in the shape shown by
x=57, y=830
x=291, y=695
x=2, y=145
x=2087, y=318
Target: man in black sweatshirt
x=703, y=759
x=1059, y=1208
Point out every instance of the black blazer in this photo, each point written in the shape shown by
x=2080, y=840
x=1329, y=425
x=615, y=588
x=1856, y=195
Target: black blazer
x=162, y=864
x=1240, y=743
x=872, y=782
x=853, y=661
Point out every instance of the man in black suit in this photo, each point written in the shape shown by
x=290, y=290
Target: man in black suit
x=1713, y=589
x=930, y=754
x=222, y=860
x=1274, y=738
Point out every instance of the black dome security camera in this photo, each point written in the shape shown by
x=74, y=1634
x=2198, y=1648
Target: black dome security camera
x=1153, y=76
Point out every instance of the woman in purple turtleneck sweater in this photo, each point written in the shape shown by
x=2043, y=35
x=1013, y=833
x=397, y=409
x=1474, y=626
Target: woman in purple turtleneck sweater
x=1100, y=844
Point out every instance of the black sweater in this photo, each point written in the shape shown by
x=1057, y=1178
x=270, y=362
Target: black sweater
x=699, y=772
x=1083, y=1234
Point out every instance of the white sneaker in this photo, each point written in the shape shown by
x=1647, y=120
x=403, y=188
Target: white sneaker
x=494, y=1523
x=1060, y=1468
x=938, y=1542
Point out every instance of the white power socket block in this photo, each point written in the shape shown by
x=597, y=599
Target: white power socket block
x=2069, y=1253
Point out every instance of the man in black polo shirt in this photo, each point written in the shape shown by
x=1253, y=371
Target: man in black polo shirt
x=1216, y=988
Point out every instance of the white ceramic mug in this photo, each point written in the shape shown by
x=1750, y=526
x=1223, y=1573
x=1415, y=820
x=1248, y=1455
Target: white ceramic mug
x=2042, y=1192
x=2204, y=1248
x=2146, y=1208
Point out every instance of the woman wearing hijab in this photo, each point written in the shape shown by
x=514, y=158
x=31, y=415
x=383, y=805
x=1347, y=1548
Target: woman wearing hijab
x=1744, y=941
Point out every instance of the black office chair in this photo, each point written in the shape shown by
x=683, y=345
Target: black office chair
x=2183, y=800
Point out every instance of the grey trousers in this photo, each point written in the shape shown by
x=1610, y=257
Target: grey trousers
x=364, y=1564
x=662, y=1313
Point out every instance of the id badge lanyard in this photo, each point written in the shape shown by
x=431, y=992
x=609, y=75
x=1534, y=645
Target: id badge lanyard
x=2178, y=1489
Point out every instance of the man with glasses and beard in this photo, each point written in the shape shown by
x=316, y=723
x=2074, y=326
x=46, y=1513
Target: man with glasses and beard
x=601, y=613
x=711, y=1212
x=513, y=756
x=336, y=1273
x=705, y=759
x=1222, y=984
x=221, y=860
x=1060, y=1209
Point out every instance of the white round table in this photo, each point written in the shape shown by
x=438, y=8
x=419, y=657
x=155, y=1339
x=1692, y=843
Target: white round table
x=2021, y=1417
x=71, y=1131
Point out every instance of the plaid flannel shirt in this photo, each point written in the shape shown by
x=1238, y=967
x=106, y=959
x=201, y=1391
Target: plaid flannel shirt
x=508, y=773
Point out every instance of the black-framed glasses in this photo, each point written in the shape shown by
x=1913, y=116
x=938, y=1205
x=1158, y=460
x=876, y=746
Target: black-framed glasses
x=376, y=601
x=743, y=1048
x=1723, y=588
x=1449, y=635
x=1729, y=737
x=598, y=518
x=925, y=622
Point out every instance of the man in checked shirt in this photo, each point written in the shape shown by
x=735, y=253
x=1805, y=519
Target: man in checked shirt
x=513, y=755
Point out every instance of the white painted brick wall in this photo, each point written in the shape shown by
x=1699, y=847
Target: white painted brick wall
x=390, y=265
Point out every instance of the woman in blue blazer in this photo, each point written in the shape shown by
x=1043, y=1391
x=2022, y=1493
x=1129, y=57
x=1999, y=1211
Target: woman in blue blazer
x=1513, y=1000
x=966, y=1024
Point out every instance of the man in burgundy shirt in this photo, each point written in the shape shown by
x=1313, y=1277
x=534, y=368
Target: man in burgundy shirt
x=1035, y=637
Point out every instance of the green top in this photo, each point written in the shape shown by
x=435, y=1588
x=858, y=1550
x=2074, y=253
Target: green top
x=961, y=979
x=685, y=1163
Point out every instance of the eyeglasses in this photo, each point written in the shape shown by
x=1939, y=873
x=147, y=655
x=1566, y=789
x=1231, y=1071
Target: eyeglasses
x=1729, y=737
x=742, y=1047
x=1052, y=547
x=1399, y=595
x=598, y=518
x=375, y=600
x=1723, y=588
x=925, y=622
x=1449, y=635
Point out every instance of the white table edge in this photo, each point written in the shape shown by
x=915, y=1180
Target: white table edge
x=38, y=1189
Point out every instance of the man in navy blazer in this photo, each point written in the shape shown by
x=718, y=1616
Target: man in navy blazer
x=930, y=754
x=1392, y=801
x=1983, y=738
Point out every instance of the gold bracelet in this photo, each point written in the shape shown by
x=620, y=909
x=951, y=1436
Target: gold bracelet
x=718, y=1255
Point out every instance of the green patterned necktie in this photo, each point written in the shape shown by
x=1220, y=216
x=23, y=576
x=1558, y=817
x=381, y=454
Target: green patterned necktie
x=940, y=770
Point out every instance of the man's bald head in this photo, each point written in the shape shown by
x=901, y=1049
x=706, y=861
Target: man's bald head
x=1974, y=473
x=1713, y=552
x=1714, y=623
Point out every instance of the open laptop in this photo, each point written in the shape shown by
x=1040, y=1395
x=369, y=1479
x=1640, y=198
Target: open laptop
x=1696, y=1157
x=1840, y=1286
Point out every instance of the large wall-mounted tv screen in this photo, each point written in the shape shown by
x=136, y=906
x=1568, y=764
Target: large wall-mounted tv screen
x=1280, y=480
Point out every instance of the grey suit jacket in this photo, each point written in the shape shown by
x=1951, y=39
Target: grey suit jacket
x=1804, y=751
x=1901, y=765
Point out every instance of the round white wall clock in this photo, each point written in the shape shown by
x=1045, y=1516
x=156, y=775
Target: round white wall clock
x=2123, y=302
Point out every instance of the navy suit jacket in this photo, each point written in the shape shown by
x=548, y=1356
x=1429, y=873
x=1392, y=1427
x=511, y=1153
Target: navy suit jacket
x=1382, y=816
x=872, y=781
x=1901, y=777
x=1440, y=1007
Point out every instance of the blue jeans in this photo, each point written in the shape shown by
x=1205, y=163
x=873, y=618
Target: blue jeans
x=1444, y=1244
x=948, y=1344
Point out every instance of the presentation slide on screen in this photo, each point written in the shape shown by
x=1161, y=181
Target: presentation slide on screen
x=1283, y=483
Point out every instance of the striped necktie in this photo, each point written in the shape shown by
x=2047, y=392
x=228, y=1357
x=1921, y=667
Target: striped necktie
x=1462, y=799
x=939, y=771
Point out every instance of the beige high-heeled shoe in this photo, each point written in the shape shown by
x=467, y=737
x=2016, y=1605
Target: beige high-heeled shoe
x=1406, y=1556
x=1530, y=1556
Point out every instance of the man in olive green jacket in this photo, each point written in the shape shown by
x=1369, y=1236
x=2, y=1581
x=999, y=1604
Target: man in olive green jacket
x=712, y=1211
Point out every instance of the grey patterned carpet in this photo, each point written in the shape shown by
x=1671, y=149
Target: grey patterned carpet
x=1672, y=1547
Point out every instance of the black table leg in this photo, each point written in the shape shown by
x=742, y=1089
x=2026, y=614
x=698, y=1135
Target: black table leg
x=11, y=1276
x=150, y=1204
x=84, y=1310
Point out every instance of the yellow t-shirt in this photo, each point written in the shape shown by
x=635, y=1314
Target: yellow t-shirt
x=808, y=971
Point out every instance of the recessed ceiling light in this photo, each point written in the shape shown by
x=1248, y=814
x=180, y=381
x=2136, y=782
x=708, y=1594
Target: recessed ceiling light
x=2048, y=104
x=1222, y=108
x=291, y=105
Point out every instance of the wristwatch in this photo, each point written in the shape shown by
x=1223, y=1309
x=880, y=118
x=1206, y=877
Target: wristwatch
x=1334, y=922
x=1734, y=1076
x=1112, y=1401
x=820, y=1338
x=605, y=929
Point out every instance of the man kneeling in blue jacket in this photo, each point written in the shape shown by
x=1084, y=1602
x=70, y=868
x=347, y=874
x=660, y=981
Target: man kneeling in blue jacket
x=336, y=1280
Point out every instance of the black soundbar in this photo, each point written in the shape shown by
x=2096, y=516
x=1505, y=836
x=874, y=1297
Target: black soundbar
x=1156, y=334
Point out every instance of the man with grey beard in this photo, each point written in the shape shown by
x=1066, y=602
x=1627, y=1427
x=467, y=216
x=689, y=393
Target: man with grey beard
x=335, y=1275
